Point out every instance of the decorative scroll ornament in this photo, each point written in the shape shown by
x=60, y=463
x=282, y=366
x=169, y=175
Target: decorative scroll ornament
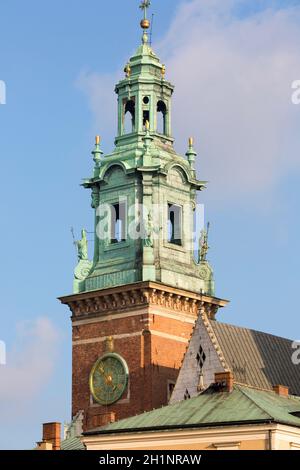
x=84, y=266
x=205, y=273
x=82, y=270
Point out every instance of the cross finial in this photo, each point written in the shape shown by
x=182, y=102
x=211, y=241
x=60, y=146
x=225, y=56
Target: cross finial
x=145, y=23
x=144, y=6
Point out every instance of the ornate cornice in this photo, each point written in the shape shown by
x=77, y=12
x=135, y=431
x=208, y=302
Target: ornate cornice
x=144, y=294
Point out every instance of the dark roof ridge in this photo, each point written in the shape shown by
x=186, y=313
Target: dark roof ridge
x=253, y=387
x=249, y=329
x=265, y=390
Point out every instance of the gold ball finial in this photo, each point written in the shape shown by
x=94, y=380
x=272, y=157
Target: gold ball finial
x=191, y=141
x=145, y=24
x=97, y=139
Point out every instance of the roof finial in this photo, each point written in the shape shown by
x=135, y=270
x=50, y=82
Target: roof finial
x=191, y=154
x=97, y=153
x=201, y=386
x=145, y=23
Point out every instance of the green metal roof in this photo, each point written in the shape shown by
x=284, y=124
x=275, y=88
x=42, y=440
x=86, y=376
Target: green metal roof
x=72, y=443
x=241, y=406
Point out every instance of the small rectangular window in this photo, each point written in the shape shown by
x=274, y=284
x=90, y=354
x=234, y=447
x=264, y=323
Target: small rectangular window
x=146, y=117
x=118, y=222
x=174, y=224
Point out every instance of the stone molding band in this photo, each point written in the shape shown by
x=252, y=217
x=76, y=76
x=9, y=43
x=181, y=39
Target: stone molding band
x=133, y=296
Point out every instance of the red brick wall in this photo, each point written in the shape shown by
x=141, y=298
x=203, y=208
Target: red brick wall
x=51, y=433
x=152, y=361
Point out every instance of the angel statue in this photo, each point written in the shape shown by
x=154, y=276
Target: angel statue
x=148, y=242
x=82, y=247
x=203, y=244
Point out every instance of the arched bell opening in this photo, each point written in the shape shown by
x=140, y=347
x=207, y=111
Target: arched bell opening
x=161, y=120
x=129, y=117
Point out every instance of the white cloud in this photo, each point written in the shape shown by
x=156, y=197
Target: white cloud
x=233, y=93
x=233, y=78
x=29, y=367
x=102, y=101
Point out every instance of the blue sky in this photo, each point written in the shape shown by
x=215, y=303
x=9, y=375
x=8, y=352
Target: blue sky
x=60, y=61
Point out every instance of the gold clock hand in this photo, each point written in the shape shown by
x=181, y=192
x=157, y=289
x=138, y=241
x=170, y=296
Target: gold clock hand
x=102, y=371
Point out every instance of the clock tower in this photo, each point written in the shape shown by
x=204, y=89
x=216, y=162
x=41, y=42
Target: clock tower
x=135, y=304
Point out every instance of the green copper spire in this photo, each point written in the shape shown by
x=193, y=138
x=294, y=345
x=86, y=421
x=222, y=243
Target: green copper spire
x=144, y=192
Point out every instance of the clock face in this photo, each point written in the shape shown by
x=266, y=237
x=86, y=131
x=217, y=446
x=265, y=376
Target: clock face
x=109, y=378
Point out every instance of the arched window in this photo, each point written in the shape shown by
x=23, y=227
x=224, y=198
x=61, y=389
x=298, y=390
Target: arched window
x=175, y=224
x=118, y=222
x=161, y=117
x=129, y=117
